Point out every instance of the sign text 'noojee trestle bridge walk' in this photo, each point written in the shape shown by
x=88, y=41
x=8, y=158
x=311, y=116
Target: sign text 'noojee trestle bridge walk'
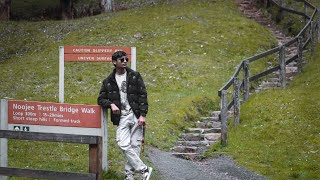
x=46, y=121
x=89, y=54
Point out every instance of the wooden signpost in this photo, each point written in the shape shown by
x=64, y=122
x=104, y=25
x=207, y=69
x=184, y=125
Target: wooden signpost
x=46, y=121
x=89, y=54
x=59, y=122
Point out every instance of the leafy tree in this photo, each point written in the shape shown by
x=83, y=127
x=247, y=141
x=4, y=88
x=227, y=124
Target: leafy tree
x=66, y=9
x=107, y=5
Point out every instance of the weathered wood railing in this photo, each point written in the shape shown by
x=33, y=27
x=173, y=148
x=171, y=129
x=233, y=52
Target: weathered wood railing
x=95, y=155
x=305, y=38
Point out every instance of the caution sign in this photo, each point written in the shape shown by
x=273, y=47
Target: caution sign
x=92, y=53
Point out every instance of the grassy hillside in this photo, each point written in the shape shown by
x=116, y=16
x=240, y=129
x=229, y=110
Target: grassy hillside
x=185, y=51
x=279, y=134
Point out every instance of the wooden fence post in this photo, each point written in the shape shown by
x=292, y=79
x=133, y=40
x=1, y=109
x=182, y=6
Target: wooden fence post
x=318, y=21
x=300, y=54
x=224, y=118
x=104, y=124
x=313, y=44
x=246, y=79
x=281, y=3
x=95, y=159
x=3, y=141
x=236, y=100
x=282, y=63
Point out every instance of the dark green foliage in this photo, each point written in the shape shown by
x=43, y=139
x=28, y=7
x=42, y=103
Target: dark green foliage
x=35, y=9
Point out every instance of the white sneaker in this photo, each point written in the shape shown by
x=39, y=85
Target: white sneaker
x=129, y=177
x=146, y=173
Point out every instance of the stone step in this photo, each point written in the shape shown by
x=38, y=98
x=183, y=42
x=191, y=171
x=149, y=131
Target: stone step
x=194, y=143
x=204, y=131
x=290, y=55
x=269, y=84
x=290, y=69
x=210, y=118
x=192, y=137
x=288, y=74
x=188, y=156
x=246, y=2
x=200, y=137
x=264, y=88
x=291, y=74
x=289, y=78
x=185, y=149
x=292, y=64
x=273, y=79
x=280, y=38
x=207, y=125
x=215, y=113
x=212, y=136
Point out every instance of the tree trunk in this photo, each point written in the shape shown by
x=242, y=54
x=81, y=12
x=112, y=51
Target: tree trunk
x=107, y=5
x=5, y=9
x=66, y=9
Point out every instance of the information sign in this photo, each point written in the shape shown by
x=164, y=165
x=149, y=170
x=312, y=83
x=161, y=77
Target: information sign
x=53, y=114
x=49, y=117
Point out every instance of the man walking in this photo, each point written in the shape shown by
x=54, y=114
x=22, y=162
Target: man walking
x=124, y=92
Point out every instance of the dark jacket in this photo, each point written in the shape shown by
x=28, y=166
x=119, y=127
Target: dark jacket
x=136, y=93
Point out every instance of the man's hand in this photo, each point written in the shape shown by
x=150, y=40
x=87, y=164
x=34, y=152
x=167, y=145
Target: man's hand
x=141, y=120
x=115, y=109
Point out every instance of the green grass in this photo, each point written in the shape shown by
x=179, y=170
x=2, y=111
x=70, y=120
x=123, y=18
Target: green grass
x=279, y=132
x=187, y=51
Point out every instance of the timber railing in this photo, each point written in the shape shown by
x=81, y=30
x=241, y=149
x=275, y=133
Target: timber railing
x=238, y=86
x=95, y=155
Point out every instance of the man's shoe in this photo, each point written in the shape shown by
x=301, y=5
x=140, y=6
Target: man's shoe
x=129, y=177
x=146, y=173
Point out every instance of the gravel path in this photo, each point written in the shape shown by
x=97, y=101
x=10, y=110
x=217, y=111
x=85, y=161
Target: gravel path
x=221, y=168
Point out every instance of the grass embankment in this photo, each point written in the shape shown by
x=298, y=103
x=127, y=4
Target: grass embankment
x=279, y=133
x=185, y=52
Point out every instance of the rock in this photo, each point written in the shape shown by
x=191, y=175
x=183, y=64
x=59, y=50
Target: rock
x=212, y=136
x=192, y=137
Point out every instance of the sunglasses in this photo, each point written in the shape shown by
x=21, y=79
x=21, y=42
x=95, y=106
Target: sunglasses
x=124, y=58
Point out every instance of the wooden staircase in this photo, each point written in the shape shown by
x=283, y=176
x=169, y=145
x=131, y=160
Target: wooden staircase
x=208, y=129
